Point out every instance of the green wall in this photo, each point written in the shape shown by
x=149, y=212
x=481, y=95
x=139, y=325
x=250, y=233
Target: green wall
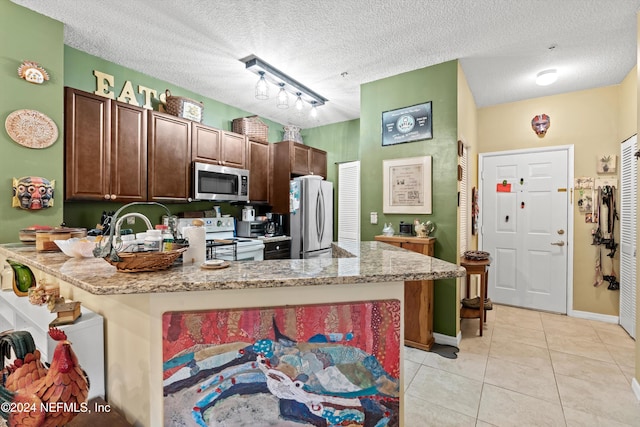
x=25, y=35
x=439, y=85
x=341, y=141
x=79, y=74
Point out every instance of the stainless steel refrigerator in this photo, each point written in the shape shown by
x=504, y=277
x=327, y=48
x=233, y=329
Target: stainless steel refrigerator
x=311, y=217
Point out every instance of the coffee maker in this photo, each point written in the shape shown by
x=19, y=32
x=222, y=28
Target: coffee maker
x=275, y=224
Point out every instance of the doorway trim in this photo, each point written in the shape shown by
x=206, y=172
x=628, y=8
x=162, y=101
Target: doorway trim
x=570, y=209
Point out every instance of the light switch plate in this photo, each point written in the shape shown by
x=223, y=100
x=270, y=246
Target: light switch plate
x=374, y=217
x=131, y=220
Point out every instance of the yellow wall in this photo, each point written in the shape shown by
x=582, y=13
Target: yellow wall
x=467, y=133
x=637, y=210
x=590, y=120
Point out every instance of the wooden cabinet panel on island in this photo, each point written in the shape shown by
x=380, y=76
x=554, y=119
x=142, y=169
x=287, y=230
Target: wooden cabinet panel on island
x=169, y=143
x=258, y=165
x=418, y=294
x=211, y=145
x=105, y=149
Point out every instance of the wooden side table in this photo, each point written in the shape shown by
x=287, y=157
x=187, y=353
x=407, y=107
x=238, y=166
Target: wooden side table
x=480, y=268
x=418, y=295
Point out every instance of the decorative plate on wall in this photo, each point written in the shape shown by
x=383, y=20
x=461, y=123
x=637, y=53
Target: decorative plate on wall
x=31, y=128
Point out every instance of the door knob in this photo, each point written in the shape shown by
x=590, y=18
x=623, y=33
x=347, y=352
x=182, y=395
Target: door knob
x=560, y=243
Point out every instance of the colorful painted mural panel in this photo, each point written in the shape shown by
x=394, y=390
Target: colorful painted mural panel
x=309, y=365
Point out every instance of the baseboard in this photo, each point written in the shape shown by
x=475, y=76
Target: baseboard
x=594, y=316
x=636, y=388
x=448, y=339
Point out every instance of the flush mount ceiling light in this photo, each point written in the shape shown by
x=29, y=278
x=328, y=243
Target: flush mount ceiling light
x=546, y=77
x=287, y=84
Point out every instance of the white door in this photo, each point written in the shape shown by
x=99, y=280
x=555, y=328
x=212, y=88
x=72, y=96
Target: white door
x=349, y=201
x=628, y=197
x=524, y=210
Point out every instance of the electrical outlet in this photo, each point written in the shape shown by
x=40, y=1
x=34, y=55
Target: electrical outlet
x=131, y=220
x=374, y=217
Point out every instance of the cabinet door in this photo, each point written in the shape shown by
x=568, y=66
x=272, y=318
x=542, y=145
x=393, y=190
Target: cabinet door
x=258, y=165
x=87, y=131
x=206, y=143
x=169, y=145
x=300, y=159
x=318, y=162
x=128, y=152
x=232, y=150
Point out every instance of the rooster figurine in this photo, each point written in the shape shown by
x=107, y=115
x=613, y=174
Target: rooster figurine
x=34, y=396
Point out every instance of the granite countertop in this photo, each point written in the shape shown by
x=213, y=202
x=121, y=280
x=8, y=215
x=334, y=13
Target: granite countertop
x=354, y=262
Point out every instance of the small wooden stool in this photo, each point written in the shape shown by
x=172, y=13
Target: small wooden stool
x=481, y=268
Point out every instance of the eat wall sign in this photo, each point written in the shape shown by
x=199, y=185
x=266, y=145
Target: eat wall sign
x=106, y=82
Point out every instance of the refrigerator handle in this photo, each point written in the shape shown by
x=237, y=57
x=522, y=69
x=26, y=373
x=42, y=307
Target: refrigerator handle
x=320, y=215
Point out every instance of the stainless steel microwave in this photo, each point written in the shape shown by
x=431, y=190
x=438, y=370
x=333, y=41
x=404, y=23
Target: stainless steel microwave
x=221, y=183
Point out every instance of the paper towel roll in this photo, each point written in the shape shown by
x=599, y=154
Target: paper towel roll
x=196, y=252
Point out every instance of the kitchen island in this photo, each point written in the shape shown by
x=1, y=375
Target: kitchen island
x=133, y=304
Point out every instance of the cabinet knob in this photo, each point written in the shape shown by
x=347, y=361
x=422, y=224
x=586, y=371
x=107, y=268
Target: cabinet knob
x=113, y=197
x=277, y=248
x=106, y=197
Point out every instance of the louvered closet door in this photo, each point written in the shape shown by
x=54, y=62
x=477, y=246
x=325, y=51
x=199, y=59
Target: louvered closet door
x=349, y=201
x=628, y=197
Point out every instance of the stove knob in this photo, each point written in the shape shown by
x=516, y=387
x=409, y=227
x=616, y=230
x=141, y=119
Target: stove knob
x=219, y=223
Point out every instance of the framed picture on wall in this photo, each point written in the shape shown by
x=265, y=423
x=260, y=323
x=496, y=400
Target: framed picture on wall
x=407, y=124
x=407, y=185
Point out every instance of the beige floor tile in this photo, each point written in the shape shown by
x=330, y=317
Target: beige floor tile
x=483, y=424
x=471, y=328
x=571, y=330
x=514, y=333
x=584, y=368
x=533, y=381
x=575, y=418
x=445, y=389
x=629, y=372
x=619, y=337
x=606, y=326
x=410, y=370
x=467, y=364
x=519, y=317
x=579, y=347
x=475, y=344
x=553, y=320
x=614, y=402
x=624, y=356
x=503, y=407
x=420, y=413
x=522, y=354
x=414, y=354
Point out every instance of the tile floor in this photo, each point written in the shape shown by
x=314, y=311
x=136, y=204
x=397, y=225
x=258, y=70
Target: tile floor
x=528, y=369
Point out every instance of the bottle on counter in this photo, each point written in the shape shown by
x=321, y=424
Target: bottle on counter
x=153, y=240
x=167, y=237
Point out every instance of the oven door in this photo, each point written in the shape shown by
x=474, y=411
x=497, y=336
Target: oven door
x=252, y=252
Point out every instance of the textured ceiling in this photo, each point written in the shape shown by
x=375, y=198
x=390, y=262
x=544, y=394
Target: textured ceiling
x=501, y=44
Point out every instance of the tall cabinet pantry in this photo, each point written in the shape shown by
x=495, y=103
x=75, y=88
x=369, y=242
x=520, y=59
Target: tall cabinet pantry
x=628, y=199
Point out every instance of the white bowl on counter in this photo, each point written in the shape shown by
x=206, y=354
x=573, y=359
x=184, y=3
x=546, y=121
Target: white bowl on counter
x=77, y=247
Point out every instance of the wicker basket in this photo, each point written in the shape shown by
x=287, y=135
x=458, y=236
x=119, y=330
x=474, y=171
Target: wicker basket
x=253, y=127
x=181, y=106
x=134, y=262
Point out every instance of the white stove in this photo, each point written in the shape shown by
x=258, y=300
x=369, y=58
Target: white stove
x=222, y=243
